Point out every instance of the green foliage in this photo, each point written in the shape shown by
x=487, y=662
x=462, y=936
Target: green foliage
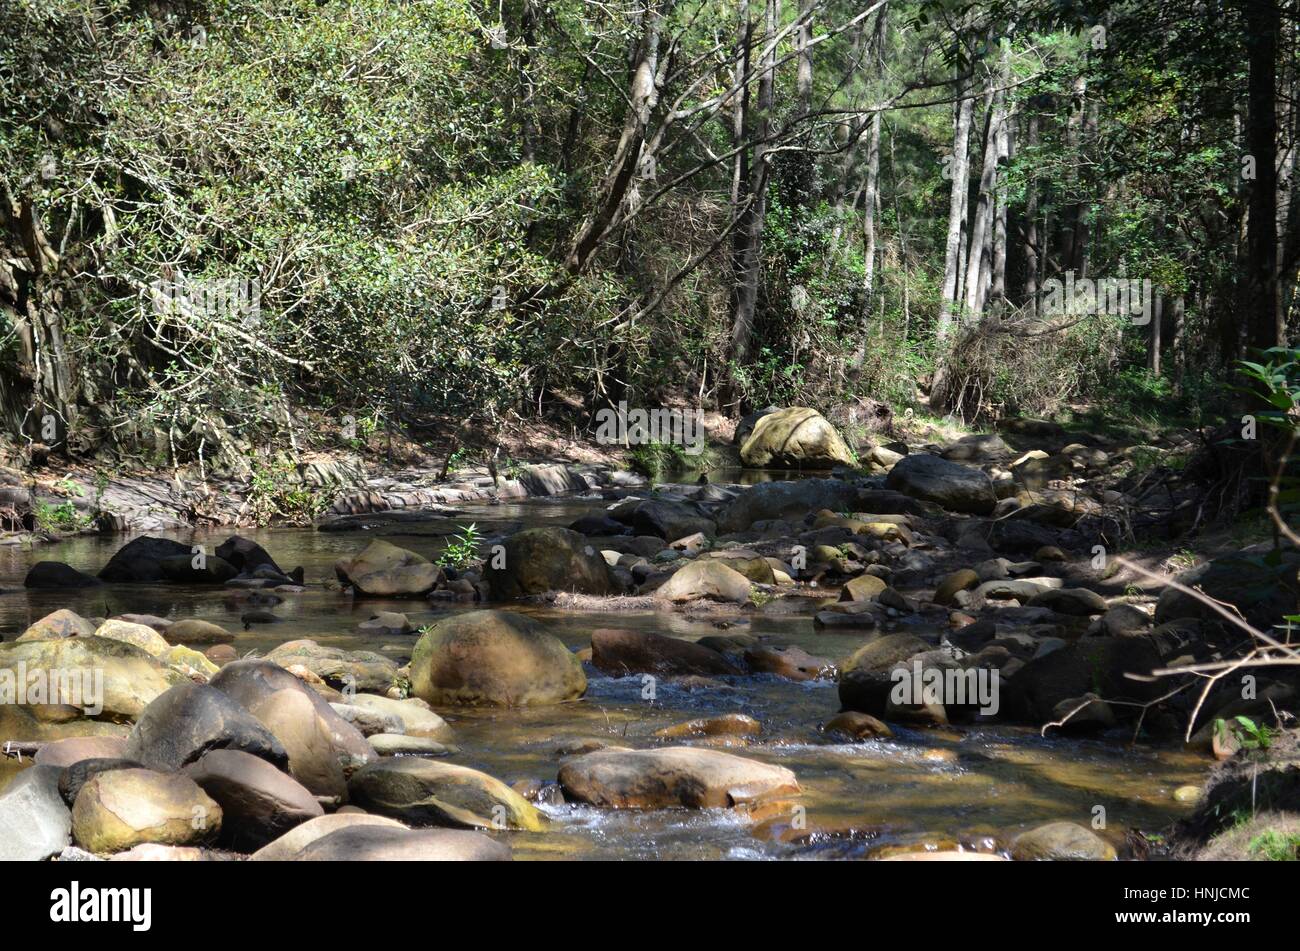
x=461, y=549
x=1249, y=734
x=59, y=518
x=1274, y=845
x=656, y=460
x=276, y=493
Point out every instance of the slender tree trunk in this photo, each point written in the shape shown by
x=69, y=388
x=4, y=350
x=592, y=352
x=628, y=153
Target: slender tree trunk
x=1030, y=249
x=1263, y=23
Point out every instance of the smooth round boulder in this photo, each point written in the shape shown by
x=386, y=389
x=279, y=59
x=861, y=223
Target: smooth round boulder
x=675, y=776
x=493, y=658
x=620, y=653
x=369, y=843
x=538, y=560
x=951, y=485
x=384, y=569
x=140, y=559
x=258, y=802
x=191, y=719
x=141, y=635
x=429, y=792
x=323, y=748
x=192, y=631
x=55, y=574
x=123, y=808
x=795, y=438
x=414, y=714
x=1061, y=842
x=707, y=578
x=99, y=677
x=56, y=625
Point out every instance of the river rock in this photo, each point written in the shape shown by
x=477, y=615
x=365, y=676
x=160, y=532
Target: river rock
x=341, y=669
x=191, y=719
x=858, y=726
x=322, y=747
x=258, y=802
x=73, y=777
x=383, y=569
x=385, y=623
x=1089, y=665
x=55, y=574
x=428, y=792
x=300, y=836
x=142, y=636
x=1124, y=620
x=34, y=821
x=123, y=808
x=792, y=663
x=196, y=569
x=955, y=487
x=1075, y=601
x=55, y=626
x=192, y=631
x=131, y=678
x=414, y=715
x=63, y=753
x=963, y=579
x=670, y=777
x=796, y=498
x=247, y=555
x=495, y=658
x=707, y=578
x=538, y=560
x=795, y=438
x=399, y=744
x=728, y=724
x=140, y=559
x=619, y=653
x=370, y=843
x=665, y=519
x=1061, y=841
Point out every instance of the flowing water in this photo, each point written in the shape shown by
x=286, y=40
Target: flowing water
x=972, y=786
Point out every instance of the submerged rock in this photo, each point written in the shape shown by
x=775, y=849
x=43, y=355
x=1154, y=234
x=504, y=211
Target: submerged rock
x=1061, y=841
x=429, y=792
x=619, y=653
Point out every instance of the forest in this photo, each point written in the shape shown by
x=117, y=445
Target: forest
x=917, y=376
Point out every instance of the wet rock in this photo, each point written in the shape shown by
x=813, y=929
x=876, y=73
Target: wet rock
x=55, y=574
x=619, y=653
x=597, y=525
x=728, y=724
x=247, y=555
x=383, y=569
x=775, y=500
x=667, y=520
x=538, y=560
x=1085, y=714
x=191, y=719
x=670, y=777
x=858, y=726
x=1090, y=665
x=34, y=821
x=258, y=802
x=709, y=579
x=795, y=438
x=192, y=631
x=378, y=844
x=385, y=623
x=428, y=792
x=141, y=559
x=1061, y=841
x=196, y=569
x=963, y=579
x=792, y=663
x=951, y=485
x=862, y=588
x=414, y=715
x=496, y=658
x=55, y=626
x=123, y=808
x=322, y=747
x=399, y=744
x=884, y=652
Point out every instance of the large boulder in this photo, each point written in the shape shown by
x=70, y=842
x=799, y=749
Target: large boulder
x=385, y=570
x=494, y=658
x=90, y=676
x=64, y=753
x=141, y=559
x=1263, y=592
x=795, y=438
x=1061, y=842
x=246, y=555
x=950, y=485
x=413, y=715
x=258, y=802
x=127, y=807
x=537, y=560
x=192, y=631
x=665, y=519
x=689, y=777
x=55, y=574
x=429, y=792
x=619, y=653
x=796, y=498
x=378, y=844
x=34, y=820
x=323, y=748
x=139, y=635
x=707, y=578
x=191, y=719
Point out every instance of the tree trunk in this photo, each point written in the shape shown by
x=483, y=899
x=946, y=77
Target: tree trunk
x=1263, y=23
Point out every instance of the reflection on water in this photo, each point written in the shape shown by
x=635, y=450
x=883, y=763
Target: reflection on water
x=954, y=786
